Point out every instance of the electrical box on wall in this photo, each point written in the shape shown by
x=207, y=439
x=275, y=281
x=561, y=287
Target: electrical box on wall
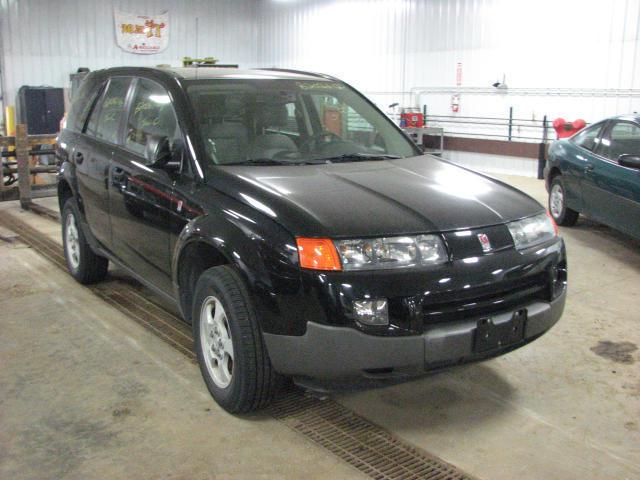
x=41, y=108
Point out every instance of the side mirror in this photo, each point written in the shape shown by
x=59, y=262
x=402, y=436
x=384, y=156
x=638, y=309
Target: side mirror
x=157, y=151
x=629, y=160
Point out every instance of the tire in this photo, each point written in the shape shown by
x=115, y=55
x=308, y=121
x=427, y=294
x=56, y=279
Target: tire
x=83, y=264
x=231, y=352
x=558, y=209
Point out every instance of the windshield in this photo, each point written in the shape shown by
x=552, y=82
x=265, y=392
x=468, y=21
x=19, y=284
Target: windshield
x=267, y=121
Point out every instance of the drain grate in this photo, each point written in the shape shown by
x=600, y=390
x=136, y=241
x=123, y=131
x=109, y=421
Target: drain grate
x=364, y=445
x=361, y=443
x=122, y=295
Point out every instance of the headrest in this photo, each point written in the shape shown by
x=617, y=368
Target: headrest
x=234, y=107
x=273, y=115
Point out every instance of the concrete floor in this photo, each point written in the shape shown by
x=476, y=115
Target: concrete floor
x=87, y=393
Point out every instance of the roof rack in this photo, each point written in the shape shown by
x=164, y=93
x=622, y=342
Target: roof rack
x=301, y=72
x=205, y=62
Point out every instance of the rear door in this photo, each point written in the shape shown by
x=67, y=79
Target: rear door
x=141, y=194
x=612, y=191
x=92, y=155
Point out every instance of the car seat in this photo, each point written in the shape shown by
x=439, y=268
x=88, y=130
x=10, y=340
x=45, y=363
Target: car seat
x=267, y=144
x=226, y=135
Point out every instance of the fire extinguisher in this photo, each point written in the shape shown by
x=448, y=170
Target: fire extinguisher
x=455, y=103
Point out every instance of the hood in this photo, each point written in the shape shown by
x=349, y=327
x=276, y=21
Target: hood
x=376, y=198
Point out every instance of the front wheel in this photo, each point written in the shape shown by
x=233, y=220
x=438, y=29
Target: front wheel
x=82, y=262
x=231, y=352
x=562, y=214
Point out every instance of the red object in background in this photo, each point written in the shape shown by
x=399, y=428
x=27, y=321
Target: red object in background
x=455, y=103
x=412, y=120
x=565, y=129
x=332, y=120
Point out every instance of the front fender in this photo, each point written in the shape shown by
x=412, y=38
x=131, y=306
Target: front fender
x=266, y=256
x=570, y=160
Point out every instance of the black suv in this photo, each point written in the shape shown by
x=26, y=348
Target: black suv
x=297, y=229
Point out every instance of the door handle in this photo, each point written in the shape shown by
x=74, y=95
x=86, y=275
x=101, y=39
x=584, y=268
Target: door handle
x=78, y=157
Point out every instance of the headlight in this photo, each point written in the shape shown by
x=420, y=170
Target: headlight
x=391, y=252
x=533, y=230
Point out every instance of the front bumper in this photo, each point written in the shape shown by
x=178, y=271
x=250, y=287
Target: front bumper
x=332, y=352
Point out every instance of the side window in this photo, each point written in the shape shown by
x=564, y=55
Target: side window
x=92, y=123
x=277, y=117
x=82, y=102
x=292, y=118
x=105, y=118
x=588, y=137
x=341, y=119
x=623, y=138
x=151, y=113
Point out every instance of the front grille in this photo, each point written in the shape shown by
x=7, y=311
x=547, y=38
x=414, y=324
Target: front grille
x=479, y=301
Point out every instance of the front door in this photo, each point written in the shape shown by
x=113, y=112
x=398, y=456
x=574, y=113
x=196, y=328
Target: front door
x=611, y=191
x=141, y=193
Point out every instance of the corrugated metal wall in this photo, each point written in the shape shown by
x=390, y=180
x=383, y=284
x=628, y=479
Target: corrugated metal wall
x=45, y=40
x=393, y=50
x=388, y=47
x=384, y=47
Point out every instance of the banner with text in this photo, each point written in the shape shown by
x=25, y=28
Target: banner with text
x=141, y=33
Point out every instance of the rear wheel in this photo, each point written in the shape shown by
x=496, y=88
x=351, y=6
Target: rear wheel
x=557, y=204
x=231, y=352
x=83, y=264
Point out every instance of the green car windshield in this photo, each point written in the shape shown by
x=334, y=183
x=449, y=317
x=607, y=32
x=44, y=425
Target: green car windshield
x=282, y=121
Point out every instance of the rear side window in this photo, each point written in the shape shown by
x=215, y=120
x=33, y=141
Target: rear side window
x=151, y=113
x=82, y=103
x=588, y=138
x=105, y=118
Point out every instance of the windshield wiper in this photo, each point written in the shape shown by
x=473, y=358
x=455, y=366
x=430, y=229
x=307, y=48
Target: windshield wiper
x=359, y=157
x=266, y=161
x=347, y=157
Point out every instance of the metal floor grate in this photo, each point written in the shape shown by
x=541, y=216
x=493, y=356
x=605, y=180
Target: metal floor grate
x=362, y=444
x=123, y=295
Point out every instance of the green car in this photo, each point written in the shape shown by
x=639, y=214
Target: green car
x=596, y=173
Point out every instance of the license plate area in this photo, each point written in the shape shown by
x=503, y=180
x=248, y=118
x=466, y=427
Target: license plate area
x=490, y=335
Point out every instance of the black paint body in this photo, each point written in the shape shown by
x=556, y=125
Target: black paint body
x=145, y=218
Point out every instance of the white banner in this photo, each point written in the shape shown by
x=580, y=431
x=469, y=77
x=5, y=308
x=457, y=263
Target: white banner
x=140, y=33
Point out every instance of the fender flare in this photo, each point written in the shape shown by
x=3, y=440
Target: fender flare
x=245, y=246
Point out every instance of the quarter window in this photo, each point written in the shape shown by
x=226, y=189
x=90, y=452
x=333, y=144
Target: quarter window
x=151, y=113
x=623, y=138
x=84, y=99
x=105, y=120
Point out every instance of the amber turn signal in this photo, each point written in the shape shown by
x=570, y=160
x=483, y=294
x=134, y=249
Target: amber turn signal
x=318, y=254
x=553, y=222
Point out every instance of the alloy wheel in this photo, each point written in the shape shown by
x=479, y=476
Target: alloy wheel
x=556, y=201
x=216, y=343
x=72, y=241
